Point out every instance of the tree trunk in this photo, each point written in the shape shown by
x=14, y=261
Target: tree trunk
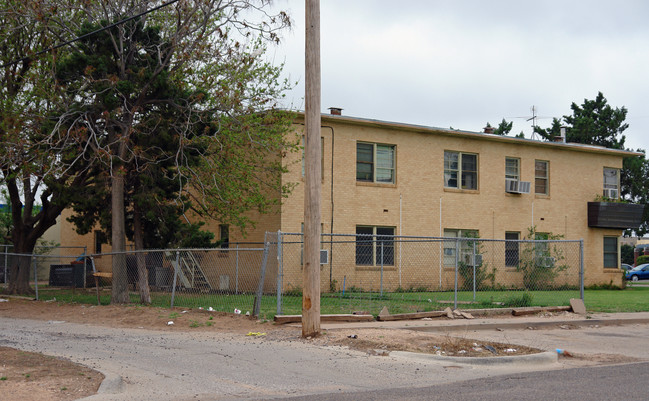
x=120, y=272
x=19, y=275
x=142, y=272
x=19, y=269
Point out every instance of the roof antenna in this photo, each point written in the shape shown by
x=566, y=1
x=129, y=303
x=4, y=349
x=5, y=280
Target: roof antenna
x=533, y=119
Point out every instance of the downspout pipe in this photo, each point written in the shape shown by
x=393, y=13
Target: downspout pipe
x=331, y=196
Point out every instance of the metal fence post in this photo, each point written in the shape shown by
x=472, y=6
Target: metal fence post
x=4, y=277
x=173, y=288
x=35, y=275
x=236, y=272
x=581, y=269
x=474, y=263
x=85, y=268
x=260, y=287
x=94, y=270
x=280, y=272
x=457, y=252
x=381, y=268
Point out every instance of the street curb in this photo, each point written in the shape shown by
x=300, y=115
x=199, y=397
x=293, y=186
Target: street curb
x=541, y=358
x=112, y=384
x=534, y=325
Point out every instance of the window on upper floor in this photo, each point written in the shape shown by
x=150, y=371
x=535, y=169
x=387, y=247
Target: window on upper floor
x=542, y=177
x=375, y=163
x=224, y=235
x=611, y=183
x=611, y=257
x=512, y=168
x=460, y=170
x=372, y=242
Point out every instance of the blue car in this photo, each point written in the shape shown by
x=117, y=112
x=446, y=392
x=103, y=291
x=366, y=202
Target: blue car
x=640, y=272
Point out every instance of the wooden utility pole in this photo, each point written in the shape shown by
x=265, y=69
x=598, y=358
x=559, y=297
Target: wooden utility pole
x=312, y=174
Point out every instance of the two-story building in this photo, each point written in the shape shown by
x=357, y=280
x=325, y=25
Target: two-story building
x=387, y=178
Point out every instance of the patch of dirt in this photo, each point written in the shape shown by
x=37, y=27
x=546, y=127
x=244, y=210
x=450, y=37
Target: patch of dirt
x=382, y=341
x=48, y=376
x=33, y=376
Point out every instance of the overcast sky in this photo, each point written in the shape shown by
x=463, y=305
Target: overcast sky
x=464, y=63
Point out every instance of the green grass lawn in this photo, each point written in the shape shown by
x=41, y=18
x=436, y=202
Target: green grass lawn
x=632, y=299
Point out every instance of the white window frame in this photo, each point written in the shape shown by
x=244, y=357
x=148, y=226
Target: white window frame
x=449, y=245
x=606, y=252
x=545, y=179
x=376, y=252
x=516, y=163
x=611, y=172
x=460, y=173
x=512, y=247
x=377, y=167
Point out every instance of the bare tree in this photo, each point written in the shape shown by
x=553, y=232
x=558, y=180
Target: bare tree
x=35, y=167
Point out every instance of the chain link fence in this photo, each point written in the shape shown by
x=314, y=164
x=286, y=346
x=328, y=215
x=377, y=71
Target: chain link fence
x=224, y=279
x=43, y=258
x=361, y=272
x=366, y=272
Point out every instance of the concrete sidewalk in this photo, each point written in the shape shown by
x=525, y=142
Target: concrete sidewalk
x=539, y=321
x=595, y=338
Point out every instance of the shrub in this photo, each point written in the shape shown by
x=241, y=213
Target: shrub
x=294, y=292
x=540, y=263
x=518, y=301
x=642, y=259
x=609, y=286
x=481, y=276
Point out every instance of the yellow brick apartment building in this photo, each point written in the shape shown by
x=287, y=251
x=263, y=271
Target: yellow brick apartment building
x=386, y=178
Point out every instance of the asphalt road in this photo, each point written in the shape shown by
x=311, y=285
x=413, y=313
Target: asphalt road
x=207, y=366
x=605, y=383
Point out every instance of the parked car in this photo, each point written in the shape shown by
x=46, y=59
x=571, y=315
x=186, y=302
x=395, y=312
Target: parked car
x=640, y=272
x=626, y=267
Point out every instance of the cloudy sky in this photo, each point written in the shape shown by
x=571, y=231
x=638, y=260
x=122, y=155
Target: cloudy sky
x=464, y=63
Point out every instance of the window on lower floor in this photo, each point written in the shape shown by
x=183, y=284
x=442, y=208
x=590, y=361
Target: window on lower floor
x=374, y=246
x=450, y=246
x=460, y=170
x=611, y=257
x=302, y=243
x=542, y=249
x=100, y=238
x=512, y=248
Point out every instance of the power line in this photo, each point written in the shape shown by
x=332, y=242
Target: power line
x=89, y=34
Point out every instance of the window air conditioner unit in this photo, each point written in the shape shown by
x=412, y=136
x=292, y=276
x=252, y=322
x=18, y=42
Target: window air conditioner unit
x=546, y=261
x=517, y=187
x=611, y=193
x=324, y=256
x=472, y=260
